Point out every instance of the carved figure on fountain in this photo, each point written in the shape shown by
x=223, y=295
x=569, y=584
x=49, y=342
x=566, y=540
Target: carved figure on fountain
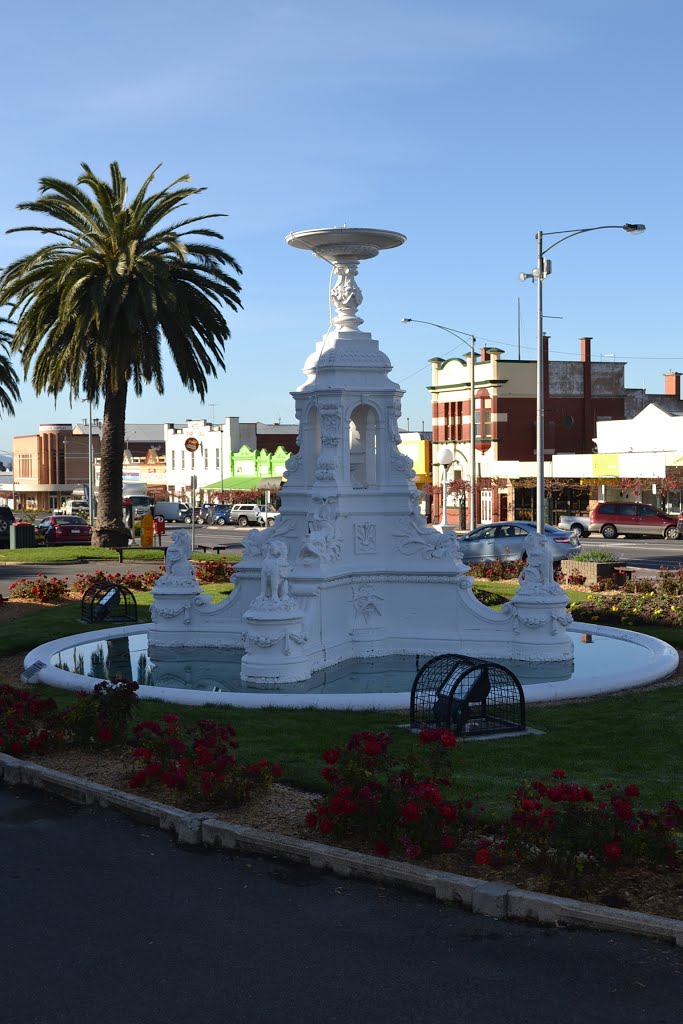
x=180, y=573
x=324, y=540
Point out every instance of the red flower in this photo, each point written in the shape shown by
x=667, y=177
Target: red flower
x=612, y=851
x=325, y=826
x=632, y=790
x=276, y=771
x=447, y=842
x=559, y=773
x=447, y=739
x=372, y=747
x=411, y=811
x=382, y=849
x=448, y=811
x=482, y=856
x=331, y=756
x=106, y=734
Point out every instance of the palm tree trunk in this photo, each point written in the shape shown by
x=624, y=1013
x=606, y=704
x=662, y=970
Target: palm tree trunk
x=110, y=530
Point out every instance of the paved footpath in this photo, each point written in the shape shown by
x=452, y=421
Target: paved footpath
x=107, y=921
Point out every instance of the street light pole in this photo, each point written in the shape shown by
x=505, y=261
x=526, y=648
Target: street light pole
x=445, y=458
x=467, y=339
x=542, y=270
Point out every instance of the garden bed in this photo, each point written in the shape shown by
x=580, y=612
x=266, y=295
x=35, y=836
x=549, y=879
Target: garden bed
x=283, y=809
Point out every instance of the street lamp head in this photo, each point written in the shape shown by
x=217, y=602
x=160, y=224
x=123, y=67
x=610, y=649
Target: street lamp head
x=634, y=229
x=406, y=320
x=445, y=457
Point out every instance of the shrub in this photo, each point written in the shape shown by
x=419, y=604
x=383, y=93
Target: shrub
x=42, y=589
x=199, y=761
x=565, y=830
x=213, y=572
x=28, y=724
x=131, y=580
x=396, y=806
x=497, y=570
x=596, y=555
x=101, y=718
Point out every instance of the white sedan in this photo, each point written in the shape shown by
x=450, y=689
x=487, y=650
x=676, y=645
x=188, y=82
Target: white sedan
x=506, y=542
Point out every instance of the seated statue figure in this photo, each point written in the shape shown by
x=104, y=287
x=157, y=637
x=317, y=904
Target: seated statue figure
x=178, y=557
x=539, y=562
x=274, y=572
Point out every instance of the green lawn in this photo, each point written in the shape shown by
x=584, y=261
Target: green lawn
x=82, y=553
x=630, y=737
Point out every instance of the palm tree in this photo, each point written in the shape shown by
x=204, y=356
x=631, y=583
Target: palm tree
x=9, y=381
x=93, y=305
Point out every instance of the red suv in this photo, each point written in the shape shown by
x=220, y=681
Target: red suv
x=632, y=519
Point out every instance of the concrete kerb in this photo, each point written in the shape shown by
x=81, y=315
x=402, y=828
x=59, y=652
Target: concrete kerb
x=494, y=899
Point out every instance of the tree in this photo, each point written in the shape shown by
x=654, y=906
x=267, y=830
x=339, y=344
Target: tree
x=9, y=381
x=94, y=304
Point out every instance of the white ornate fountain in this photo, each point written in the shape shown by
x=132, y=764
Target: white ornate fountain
x=351, y=569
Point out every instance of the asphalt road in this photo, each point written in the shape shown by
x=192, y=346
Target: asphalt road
x=106, y=920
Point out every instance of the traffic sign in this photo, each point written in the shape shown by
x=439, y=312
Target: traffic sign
x=192, y=444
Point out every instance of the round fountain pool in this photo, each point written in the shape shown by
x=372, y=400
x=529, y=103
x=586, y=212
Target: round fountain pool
x=612, y=659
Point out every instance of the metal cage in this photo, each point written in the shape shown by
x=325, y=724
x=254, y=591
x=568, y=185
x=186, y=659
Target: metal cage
x=108, y=602
x=469, y=696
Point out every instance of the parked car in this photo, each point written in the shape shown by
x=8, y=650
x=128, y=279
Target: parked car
x=218, y=514
x=577, y=525
x=506, y=542
x=6, y=520
x=251, y=515
x=679, y=526
x=63, y=530
x=632, y=519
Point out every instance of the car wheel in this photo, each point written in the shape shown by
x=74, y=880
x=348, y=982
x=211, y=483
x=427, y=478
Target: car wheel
x=188, y=519
x=271, y=522
x=671, y=533
x=243, y=521
x=609, y=532
x=221, y=521
x=578, y=531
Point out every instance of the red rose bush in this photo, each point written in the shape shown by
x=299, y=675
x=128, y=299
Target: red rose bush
x=398, y=807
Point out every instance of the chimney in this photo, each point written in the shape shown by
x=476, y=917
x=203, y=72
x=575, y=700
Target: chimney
x=485, y=356
x=585, y=349
x=672, y=383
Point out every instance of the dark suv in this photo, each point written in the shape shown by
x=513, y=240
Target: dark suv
x=632, y=519
x=218, y=514
x=6, y=520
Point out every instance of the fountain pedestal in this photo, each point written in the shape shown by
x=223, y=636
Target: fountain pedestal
x=351, y=569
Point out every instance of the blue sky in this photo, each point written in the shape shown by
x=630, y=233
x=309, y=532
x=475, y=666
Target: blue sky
x=465, y=126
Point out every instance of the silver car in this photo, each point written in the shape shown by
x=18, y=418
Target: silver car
x=506, y=542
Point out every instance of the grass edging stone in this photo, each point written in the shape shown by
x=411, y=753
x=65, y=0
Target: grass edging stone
x=493, y=899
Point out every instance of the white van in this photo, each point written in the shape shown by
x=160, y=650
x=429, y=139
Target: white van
x=173, y=511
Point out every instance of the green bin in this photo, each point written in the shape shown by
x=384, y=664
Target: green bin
x=22, y=535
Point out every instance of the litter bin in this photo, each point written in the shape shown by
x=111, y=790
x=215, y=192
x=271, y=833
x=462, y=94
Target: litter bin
x=22, y=535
